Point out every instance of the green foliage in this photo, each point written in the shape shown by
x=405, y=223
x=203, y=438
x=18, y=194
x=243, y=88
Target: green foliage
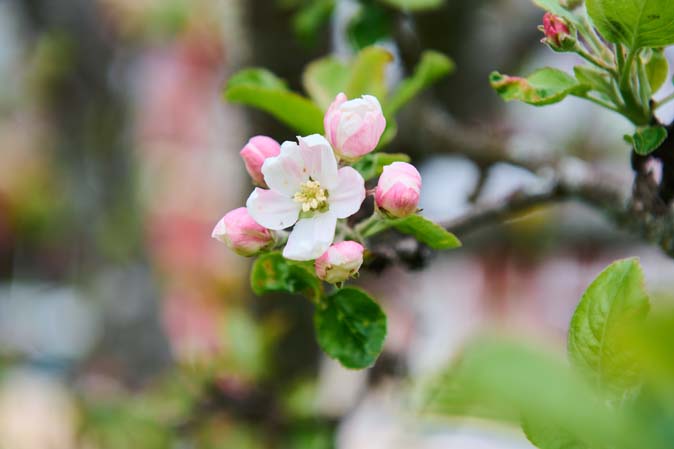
x=272, y=273
x=414, y=5
x=657, y=69
x=594, y=80
x=424, y=230
x=613, y=302
x=505, y=380
x=264, y=90
x=368, y=73
x=351, y=327
x=543, y=87
x=634, y=23
x=324, y=78
x=427, y=232
x=432, y=67
x=546, y=436
x=372, y=165
x=647, y=140
x=309, y=19
x=613, y=350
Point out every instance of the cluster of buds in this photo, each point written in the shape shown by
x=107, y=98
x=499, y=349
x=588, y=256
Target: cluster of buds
x=309, y=186
x=559, y=34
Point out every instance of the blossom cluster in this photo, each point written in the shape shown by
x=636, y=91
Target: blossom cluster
x=310, y=186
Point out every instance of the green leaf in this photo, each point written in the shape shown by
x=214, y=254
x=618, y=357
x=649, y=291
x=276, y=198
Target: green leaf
x=546, y=436
x=544, y=86
x=614, y=302
x=373, y=164
x=432, y=67
x=272, y=273
x=647, y=140
x=503, y=380
x=422, y=229
x=351, y=328
x=414, y=5
x=657, y=69
x=324, y=78
x=427, y=232
x=635, y=23
x=368, y=74
x=263, y=90
x=595, y=80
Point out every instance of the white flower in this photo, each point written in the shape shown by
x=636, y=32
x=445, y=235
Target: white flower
x=308, y=190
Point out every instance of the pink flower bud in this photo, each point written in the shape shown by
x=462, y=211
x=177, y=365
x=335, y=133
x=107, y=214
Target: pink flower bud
x=241, y=233
x=398, y=190
x=340, y=262
x=256, y=151
x=354, y=127
x=557, y=33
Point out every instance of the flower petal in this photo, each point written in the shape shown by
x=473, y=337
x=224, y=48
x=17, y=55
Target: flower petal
x=272, y=209
x=311, y=237
x=319, y=159
x=345, y=199
x=285, y=172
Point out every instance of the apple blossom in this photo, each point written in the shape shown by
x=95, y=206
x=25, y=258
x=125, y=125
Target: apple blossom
x=256, y=151
x=340, y=262
x=354, y=127
x=241, y=233
x=398, y=190
x=307, y=189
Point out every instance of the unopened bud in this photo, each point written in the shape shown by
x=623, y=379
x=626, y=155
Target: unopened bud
x=558, y=34
x=340, y=262
x=256, y=151
x=398, y=190
x=241, y=233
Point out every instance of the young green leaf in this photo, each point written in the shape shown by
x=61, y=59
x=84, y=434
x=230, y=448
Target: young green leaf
x=499, y=379
x=427, y=232
x=373, y=164
x=635, y=23
x=272, y=273
x=546, y=436
x=414, y=5
x=657, y=69
x=432, y=67
x=324, y=78
x=368, y=73
x=543, y=87
x=430, y=234
x=613, y=303
x=595, y=80
x=351, y=327
x=647, y=140
x=263, y=90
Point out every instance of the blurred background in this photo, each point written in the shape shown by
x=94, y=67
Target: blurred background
x=124, y=325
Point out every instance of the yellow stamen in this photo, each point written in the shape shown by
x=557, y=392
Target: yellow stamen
x=311, y=196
